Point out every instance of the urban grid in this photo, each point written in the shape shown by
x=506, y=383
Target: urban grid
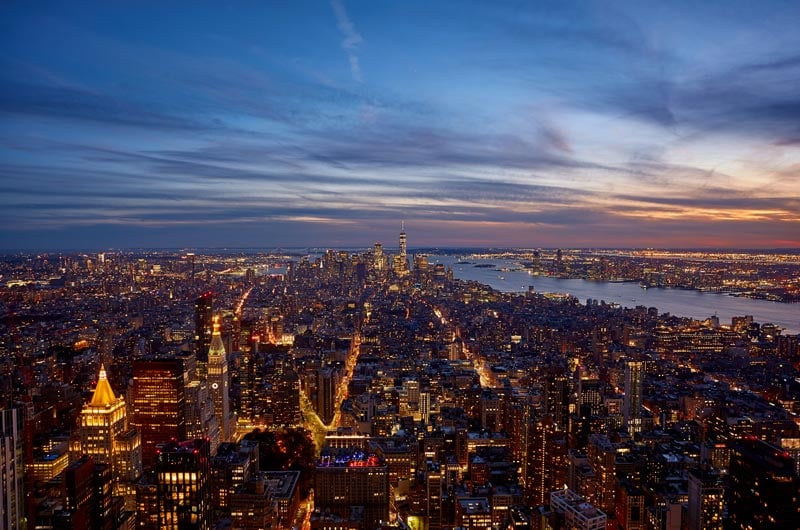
x=363, y=390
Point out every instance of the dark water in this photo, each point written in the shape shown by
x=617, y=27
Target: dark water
x=685, y=303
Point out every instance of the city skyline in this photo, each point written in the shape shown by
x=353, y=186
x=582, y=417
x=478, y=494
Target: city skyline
x=614, y=124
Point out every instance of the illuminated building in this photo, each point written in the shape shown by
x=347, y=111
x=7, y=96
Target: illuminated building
x=603, y=459
x=377, y=255
x=283, y=401
x=105, y=435
x=630, y=508
x=219, y=382
x=159, y=402
x=48, y=466
x=400, y=265
x=706, y=500
x=183, y=482
x=87, y=497
x=203, y=325
x=547, y=460
x=578, y=513
x=433, y=484
x=252, y=505
x=632, y=405
x=351, y=477
x=231, y=467
x=762, y=487
x=285, y=495
x=12, y=467
x=473, y=513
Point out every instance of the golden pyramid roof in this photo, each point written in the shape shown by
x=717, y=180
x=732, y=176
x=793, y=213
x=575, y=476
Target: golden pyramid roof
x=103, y=395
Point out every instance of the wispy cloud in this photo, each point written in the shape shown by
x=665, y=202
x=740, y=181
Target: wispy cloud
x=352, y=38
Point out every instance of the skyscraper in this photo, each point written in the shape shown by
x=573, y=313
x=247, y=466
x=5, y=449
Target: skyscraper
x=12, y=470
x=763, y=487
x=403, y=249
x=105, y=435
x=706, y=495
x=632, y=405
x=219, y=382
x=158, y=403
x=203, y=325
x=183, y=471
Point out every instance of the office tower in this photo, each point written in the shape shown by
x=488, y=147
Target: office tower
x=577, y=512
x=403, y=250
x=351, y=477
x=327, y=382
x=630, y=509
x=88, y=492
x=183, y=475
x=433, y=489
x=632, y=405
x=247, y=382
x=377, y=256
x=547, y=460
x=105, y=435
x=603, y=459
x=203, y=325
x=252, y=505
x=762, y=487
x=400, y=265
x=12, y=470
x=159, y=403
x=284, y=398
x=219, y=383
x=706, y=500
x=425, y=405
x=557, y=391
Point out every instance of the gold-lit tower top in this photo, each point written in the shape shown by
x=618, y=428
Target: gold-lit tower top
x=103, y=395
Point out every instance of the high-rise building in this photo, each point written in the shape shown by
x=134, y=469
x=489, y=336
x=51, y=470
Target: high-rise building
x=632, y=405
x=351, y=477
x=403, y=249
x=159, y=403
x=547, y=459
x=183, y=472
x=219, y=382
x=88, y=489
x=105, y=435
x=203, y=325
x=706, y=500
x=762, y=487
x=12, y=470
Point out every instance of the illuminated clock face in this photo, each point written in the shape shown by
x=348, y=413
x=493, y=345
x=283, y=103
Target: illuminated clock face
x=215, y=386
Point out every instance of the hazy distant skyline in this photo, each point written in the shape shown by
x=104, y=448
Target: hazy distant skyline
x=291, y=124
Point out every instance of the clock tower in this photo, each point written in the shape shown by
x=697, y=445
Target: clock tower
x=219, y=382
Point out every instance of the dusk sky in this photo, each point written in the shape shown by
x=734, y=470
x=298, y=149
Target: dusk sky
x=533, y=124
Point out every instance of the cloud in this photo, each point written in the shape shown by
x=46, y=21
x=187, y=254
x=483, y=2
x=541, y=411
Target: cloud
x=352, y=39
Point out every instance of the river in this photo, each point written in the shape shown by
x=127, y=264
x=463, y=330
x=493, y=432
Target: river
x=680, y=302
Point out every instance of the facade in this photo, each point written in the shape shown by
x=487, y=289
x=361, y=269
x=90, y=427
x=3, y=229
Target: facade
x=762, y=487
x=706, y=500
x=105, y=435
x=219, y=383
x=183, y=478
x=203, y=325
x=159, y=403
x=12, y=470
x=351, y=477
x=632, y=405
x=578, y=514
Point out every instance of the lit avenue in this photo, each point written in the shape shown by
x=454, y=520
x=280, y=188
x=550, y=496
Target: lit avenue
x=373, y=388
